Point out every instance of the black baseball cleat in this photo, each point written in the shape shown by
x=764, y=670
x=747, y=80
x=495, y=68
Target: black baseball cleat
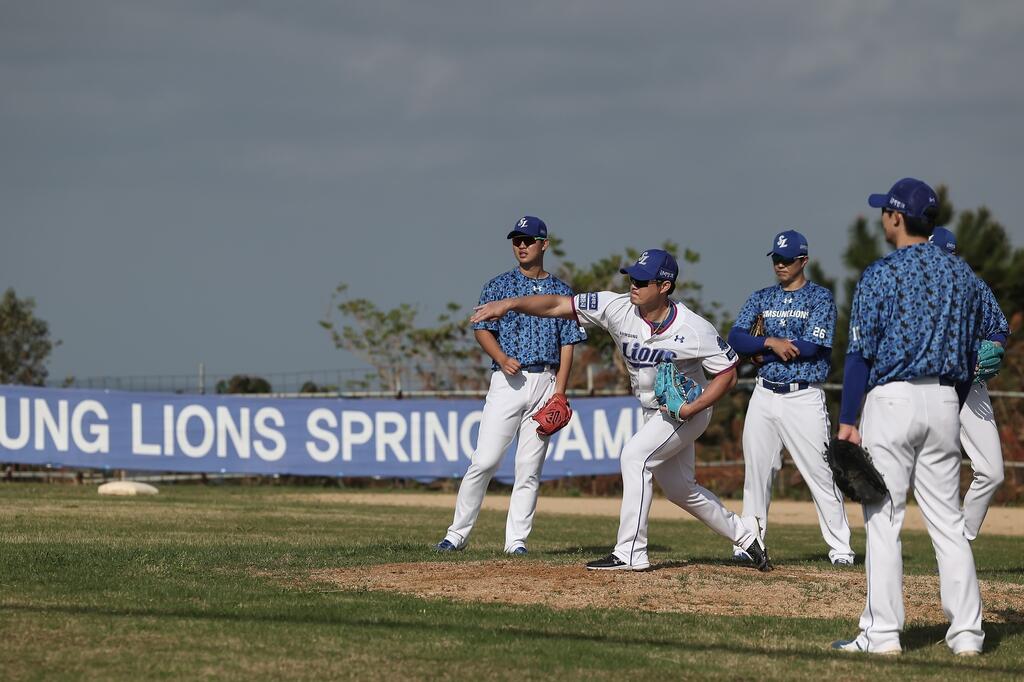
x=759, y=555
x=614, y=563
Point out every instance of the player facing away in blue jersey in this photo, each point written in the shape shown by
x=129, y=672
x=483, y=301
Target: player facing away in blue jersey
x=978, y=432
x=787, y=407
x=913, y=325
x=531, y=360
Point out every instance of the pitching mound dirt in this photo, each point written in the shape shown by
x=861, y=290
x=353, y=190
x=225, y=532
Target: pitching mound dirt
x=999, y=521
x=679, y=587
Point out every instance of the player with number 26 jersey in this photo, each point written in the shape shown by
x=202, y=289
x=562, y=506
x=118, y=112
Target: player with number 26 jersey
x=808, y=314
x=787, y=406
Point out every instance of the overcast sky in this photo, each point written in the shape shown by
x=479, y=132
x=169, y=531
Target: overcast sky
x=185, y=182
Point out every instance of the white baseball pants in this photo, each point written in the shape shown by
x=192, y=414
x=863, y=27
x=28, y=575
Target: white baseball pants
x=510, y=402
x=910, y=429
x=799, y=422
x=663, y=449
x=980, y=438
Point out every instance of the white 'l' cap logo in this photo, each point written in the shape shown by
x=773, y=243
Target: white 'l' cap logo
x=521, y=223
x=643, y=259
x=782, y=241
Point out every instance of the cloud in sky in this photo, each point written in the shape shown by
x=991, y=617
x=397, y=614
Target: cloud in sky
x=186, y=182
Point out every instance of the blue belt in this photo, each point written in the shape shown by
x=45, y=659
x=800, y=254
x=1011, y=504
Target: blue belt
x=782, y=388
x=538, y=367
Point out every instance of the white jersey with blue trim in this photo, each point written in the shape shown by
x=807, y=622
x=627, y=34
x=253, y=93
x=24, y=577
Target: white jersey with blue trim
x=685, y=338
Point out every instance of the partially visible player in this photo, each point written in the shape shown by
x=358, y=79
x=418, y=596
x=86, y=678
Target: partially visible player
x=532, y=358
x=913, y=325
x=978, y=432
x=648, y=328
x=787, y=407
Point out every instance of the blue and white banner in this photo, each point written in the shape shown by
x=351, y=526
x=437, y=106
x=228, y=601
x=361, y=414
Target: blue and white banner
x=419, y=439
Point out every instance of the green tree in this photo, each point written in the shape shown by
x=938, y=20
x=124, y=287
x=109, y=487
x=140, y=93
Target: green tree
x=242, y=384
x=25, y=343
x=444, y=356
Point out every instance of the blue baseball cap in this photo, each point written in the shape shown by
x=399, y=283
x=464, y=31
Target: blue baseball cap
x=908, y=196
x=653, y=264
x=529, y=226
x=944, y=239
x=789, y=244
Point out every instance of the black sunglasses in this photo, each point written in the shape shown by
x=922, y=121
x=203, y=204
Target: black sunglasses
x=641, y=283
x=525, y=241
x=780, y=260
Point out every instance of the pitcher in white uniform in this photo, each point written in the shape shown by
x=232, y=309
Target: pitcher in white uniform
x=648, y=328
x=787, y=407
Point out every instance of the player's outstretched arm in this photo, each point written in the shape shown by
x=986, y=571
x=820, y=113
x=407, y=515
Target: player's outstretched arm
x=548, y=305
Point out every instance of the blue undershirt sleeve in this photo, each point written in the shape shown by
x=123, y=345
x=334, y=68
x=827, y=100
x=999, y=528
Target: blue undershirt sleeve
x=742, y=342
x=999, y=338
x=807, y=349
x=855, y=385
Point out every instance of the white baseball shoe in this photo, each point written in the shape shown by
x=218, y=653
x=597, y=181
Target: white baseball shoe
x=859, y=646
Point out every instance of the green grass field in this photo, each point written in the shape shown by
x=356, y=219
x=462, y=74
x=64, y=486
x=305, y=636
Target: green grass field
x=213, y=582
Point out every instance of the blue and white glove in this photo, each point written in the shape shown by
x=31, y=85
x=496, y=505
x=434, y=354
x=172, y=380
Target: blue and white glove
x=674, y=389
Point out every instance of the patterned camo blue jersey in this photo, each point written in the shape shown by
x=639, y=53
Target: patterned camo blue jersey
x=916, y=313
x=807, y=314
x=993, y=321
x=528, y=339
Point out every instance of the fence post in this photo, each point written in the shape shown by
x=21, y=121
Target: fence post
x=202, y=379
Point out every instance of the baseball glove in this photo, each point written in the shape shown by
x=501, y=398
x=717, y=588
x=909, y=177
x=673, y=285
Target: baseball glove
x=553, y=415
x=757, y=328
x=990, y=361
x=854, y=473
x=674, y=389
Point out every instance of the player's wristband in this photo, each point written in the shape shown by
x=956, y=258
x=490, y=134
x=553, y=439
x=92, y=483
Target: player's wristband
x=855, y=385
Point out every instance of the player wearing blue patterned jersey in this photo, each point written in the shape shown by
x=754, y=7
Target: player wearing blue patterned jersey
x=531, y=358
x=979, y=435
x=806, y=315
x=907, y=318
x=531, y=340
x=649, y=328
x=914, y=320
x=787, y=406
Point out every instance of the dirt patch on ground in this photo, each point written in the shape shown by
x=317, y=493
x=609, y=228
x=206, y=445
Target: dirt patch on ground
x=675, y=587
x=999, y=521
